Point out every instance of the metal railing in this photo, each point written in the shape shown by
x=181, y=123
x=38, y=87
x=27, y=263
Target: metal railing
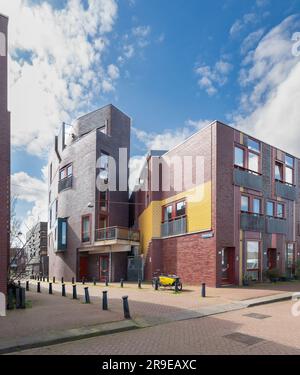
x=65, y=183
x=174, y=227
x=117, y=233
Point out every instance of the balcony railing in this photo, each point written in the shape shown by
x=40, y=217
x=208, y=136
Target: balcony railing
x=174, y=227
x=117, y=233
x=65, y=183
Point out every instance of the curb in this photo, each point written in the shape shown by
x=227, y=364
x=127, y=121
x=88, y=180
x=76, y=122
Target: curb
x=268, y=300
x=74, y=335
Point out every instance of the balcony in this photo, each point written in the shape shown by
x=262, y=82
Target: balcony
x=286, y=191
x=252, y=222
x=174, y=227
x=245, y=178
x=65, y=183
x=276, y=225
x=117, y=234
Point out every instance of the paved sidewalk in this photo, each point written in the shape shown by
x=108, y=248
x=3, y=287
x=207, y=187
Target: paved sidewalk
x=54, y=318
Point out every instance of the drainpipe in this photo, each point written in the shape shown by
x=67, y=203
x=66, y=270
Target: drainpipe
x=110, y=265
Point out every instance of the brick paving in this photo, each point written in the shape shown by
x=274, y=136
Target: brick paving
x=278, y=334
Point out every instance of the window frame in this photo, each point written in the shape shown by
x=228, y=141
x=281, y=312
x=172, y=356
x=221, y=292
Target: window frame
x=65, y=169
x=258, y=257
x=89, y=216
x=246, y=159
x=174, y=211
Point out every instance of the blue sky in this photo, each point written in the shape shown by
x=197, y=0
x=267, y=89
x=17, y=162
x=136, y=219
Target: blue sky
x=173, y=66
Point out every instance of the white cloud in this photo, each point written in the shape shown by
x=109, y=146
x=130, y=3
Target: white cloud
x=210, y=78
x=251, y=40
x=31, y=190
x=141, y=31
x=65, y=71
x=271, y=90
x=113, y=72
x=239, y=25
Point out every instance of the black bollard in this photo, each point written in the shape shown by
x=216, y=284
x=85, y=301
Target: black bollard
x=176, y=286
x=83, y=281
x=156, y=284
x=140, y=284
x=63, y=290
x=27, y=286
x=53, y=279
x=126, y=307
x=74, y=292
x=73, y=280
x=203, y=292
x=94, y=280
x=22, y=298
x=122, y=283
x=38, y=287
x=47, y=279
x=106, y=281
x=19, y=283
x=10, y=299
x=104, y=301
x=87, y=295
x=50, y=288
x=62, y=280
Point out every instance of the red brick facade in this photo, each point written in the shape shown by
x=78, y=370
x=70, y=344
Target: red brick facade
x=4, y=161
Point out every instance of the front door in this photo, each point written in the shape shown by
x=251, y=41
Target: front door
x=228, y=265
x=104, y=267
x=83, y=268
x=272, y=259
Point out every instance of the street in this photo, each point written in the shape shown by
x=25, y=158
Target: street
x=263, y=330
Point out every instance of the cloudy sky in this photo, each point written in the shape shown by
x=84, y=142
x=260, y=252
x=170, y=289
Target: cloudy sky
x=173, y=66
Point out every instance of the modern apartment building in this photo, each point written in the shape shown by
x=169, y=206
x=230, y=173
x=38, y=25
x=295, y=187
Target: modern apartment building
x=236, y=216
x=88, y=234
x=4, y=159
x=36, y=250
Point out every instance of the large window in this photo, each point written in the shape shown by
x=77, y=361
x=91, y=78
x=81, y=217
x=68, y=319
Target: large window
x=245, y=206
x=270, y=208
x=290, y=255
x=239, y=159
x=257, y=206
x=284, y=172
x=168, y=213
x=86, y=228
x=252, y=258
x=66, y=171
x=180, y=208
x=248, y=157
x=103, y=204
x=53, y=213
x=280, y=210
x=174, y=211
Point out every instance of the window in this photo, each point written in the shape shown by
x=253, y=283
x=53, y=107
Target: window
x=253, y=145
x=245, y=203
x=239, y=158
x=65, y=172
x=50, y=172
x=289, y=175
x=103, y=200
x=53, y=213
x=278, y=171
x=270, y=208
x=252, y=258
x=86, y=228
x=168, y=213
x=280, y=210
x=102, y=222
x=253, y=162
x=248, y=157
x=257, y=206
x=64, y=233
x=180, y=208
x=290, y=255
